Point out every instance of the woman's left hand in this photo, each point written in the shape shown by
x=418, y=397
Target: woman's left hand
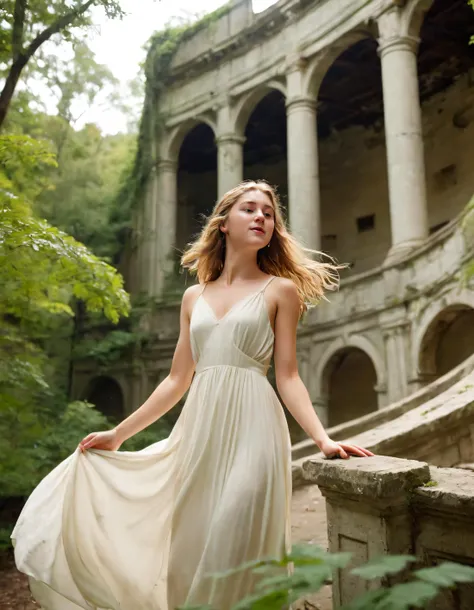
x=332, y=449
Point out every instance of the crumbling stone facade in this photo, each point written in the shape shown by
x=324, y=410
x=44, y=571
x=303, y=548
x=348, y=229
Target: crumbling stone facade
x=362, y=114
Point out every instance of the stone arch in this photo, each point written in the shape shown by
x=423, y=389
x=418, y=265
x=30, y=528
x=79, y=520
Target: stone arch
x=196, y=179
x=413, y=16
x=175, y=137
x=347, y=360
x=318, y=65
x=107, y=395
x=444, y=66
x=427, y=324
x=247, y=103
x=354, y=212
x=447, y=341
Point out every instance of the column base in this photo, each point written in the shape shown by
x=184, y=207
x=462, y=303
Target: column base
x=401, y=251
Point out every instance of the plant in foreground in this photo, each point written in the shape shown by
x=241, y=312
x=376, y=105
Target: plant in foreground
x=307, y=568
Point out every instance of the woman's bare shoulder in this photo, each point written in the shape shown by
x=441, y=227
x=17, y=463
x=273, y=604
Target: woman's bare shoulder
x=284, y=287
x=190, y=295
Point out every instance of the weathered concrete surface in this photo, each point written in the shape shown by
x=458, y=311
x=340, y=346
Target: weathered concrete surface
x=379, y=477
x=372, y=420
x=385, y=505
x=417, y=433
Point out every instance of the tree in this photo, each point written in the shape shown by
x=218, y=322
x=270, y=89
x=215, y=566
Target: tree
x=25, y=27
x=42, y=270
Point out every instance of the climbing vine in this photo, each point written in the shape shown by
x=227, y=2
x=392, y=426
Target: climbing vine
x=162, y=49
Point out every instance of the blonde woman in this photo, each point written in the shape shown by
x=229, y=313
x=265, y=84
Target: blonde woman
x=149, y=530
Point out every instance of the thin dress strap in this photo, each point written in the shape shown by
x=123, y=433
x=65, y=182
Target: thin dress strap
x=204, y=286
x=267, y=283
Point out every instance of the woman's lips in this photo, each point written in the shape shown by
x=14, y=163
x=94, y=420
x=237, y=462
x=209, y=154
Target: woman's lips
x=258, y=230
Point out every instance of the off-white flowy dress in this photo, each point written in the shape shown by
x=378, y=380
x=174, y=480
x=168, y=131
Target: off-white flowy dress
x=149, y=530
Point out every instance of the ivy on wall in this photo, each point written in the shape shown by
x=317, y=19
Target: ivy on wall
x=162, y=49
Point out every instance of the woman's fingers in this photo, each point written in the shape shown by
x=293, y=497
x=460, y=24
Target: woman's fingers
x=356, y=450
x=88, y=441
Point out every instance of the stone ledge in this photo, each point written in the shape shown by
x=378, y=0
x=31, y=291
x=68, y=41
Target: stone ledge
x=377, y=477
x=452, y=489
x=416, y=434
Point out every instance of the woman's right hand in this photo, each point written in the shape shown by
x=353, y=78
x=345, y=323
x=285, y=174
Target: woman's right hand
x=108, y=440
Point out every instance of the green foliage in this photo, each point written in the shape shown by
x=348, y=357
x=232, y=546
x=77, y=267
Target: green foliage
x=24, y=29
x=467, y=225
x=312, y=567
x=471, y=2
x=42, y=270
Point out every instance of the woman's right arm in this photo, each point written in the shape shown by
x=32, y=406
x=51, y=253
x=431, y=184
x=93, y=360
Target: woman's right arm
x=167, y=394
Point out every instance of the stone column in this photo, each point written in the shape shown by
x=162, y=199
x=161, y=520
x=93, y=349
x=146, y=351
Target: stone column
x=303, y=171
x=404, y=138
x=230, y=162
x=166, y=203
x=368, y=511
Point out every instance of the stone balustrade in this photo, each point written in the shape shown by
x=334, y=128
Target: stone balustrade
x=385, y=506
x=357, y=426
x=440, y=432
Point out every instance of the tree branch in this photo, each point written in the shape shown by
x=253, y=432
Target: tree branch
x=21, y=57
x=56, y=27
x=18, y=28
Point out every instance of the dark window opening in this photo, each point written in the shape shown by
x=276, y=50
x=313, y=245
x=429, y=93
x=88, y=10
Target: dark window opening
x=366, y=223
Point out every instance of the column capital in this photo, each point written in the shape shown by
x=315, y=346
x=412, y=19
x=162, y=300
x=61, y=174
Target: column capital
x=295, y=63
x=232, y=138
x=166, y=165
x=301, y=103
x=398, y=43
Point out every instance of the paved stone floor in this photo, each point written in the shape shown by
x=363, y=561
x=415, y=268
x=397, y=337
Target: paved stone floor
x=309, y=525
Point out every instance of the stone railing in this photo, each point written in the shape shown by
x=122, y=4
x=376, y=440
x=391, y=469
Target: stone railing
x=377, y=418
x=440, y=432
x=385, y=505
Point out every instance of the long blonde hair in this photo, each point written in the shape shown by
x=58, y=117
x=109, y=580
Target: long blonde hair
x=285, y=256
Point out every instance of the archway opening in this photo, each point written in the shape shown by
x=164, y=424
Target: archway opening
x=448, y=341
x=349, y=384
x=265, y=148
x=355, y=216
x=445, y=62
x=106, y=394
x=197, y=183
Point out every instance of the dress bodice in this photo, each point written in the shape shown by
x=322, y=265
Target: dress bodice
x=243, y=337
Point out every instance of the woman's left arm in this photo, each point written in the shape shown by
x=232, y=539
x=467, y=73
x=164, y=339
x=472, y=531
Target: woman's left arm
x=292, y=390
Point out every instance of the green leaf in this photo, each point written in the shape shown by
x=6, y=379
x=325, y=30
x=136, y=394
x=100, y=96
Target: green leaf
x=407, y=595
x=383, y=566
x=446, y=574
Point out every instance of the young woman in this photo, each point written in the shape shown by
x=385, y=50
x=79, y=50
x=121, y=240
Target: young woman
x=149, y=530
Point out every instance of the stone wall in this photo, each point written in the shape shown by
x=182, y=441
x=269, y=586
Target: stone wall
x=384, y=505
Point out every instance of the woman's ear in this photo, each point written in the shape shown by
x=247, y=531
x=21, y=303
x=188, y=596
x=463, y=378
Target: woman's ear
x=223, y=229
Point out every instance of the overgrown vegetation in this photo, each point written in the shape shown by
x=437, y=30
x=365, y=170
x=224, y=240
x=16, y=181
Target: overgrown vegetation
x=468, y=230
x=162, y=49
x=312, y=568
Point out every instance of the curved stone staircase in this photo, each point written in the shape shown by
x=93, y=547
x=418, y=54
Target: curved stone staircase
x=435, y=425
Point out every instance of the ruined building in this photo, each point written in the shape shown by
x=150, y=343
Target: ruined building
x=362, y=114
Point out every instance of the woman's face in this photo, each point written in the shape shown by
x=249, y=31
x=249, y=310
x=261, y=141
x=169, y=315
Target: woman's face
x=251, y=221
